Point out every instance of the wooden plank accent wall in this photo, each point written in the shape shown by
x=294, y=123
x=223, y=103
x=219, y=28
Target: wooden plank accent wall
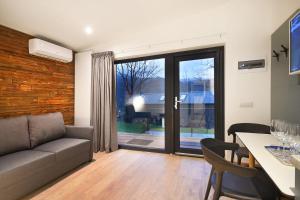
x=31, y=84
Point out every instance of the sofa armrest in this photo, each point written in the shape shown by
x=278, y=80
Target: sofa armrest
x=81, y=132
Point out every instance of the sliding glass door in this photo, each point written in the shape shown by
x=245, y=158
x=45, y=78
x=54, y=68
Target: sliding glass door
x=168, y=103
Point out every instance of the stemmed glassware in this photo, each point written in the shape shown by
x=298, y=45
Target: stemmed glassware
x=293, y=138
x=288, y=134
x=276, y=130
x=273, y=128
x=289, y=137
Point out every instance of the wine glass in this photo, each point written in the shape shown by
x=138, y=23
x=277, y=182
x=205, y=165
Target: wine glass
x=280, y=130
x=283, y=135
x=273, y=127
x=275, y=130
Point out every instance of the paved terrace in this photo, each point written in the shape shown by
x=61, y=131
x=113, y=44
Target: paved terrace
x=156, y=139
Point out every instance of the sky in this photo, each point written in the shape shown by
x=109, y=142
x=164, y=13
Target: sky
x=190, y=69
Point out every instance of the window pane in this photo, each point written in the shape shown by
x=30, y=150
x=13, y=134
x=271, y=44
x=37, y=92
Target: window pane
x=141, y=103
x=197, y=102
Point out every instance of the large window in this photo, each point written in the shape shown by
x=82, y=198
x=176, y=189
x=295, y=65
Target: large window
x=170, y=102
x=141, y=103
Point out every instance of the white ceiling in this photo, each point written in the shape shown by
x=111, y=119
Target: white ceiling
x=64, y=21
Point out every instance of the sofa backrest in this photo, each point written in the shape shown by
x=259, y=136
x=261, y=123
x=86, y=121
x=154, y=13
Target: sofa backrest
x=14, y=135
x=45, y=128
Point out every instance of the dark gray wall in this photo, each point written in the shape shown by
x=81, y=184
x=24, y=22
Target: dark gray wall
x=285, y=89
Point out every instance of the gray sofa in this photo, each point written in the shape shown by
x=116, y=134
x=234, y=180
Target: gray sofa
x=35, y=150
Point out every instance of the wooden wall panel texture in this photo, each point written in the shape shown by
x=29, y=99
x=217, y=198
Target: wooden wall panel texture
x=31, y=84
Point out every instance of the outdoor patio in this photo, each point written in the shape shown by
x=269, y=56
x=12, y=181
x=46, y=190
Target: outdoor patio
x=155, y=139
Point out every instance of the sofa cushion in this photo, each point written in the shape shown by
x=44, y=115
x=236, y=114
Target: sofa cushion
x=45, y=128
x=66, y=148
x=17, y=166
x=14, y=135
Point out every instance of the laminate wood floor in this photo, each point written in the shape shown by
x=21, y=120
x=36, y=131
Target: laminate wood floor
x=131, y=175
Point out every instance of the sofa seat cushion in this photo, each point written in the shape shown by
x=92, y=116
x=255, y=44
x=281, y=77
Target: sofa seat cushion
x=45, y=128
x=17, y=166
x=14, y=135
x=66, y=148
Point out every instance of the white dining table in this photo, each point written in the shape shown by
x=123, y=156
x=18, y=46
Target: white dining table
x=282, y=175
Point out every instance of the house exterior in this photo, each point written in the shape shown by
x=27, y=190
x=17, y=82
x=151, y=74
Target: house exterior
x=196, y=108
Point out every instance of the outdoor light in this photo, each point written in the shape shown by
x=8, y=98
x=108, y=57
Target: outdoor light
x=138, y=102
x=88, y=30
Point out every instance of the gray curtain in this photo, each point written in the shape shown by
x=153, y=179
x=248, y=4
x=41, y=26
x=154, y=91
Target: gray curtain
x=103, y=106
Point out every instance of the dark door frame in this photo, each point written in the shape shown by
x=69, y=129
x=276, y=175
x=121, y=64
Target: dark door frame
x=170, y=72
x=217, y=54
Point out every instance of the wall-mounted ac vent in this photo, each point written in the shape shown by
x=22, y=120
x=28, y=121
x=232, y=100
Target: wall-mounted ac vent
x=48, y=50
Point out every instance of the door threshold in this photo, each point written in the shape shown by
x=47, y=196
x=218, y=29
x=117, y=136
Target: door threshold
x=189, y=154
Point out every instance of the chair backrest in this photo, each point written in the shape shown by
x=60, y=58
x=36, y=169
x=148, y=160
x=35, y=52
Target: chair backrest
x=212, y=151
x=248, y=128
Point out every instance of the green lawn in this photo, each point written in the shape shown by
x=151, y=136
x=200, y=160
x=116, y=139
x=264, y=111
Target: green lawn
x=131, y=127
x=140, y=128
x=197, y=130
x=187, y=130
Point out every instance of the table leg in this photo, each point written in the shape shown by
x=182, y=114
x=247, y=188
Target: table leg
x=251, y=160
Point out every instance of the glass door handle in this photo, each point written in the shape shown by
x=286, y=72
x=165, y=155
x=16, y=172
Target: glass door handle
x=176, y=101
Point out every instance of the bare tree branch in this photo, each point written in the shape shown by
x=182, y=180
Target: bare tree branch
x=135, y=74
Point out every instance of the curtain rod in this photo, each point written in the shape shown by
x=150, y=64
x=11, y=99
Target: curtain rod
x=153, y=45
x=150, y=46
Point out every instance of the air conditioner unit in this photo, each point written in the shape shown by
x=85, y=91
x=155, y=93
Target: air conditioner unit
x=45, y=49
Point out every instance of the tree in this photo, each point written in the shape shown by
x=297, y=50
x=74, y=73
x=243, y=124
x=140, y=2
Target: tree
x=135, y=74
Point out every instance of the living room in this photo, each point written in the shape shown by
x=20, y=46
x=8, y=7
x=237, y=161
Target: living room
x=149, y=99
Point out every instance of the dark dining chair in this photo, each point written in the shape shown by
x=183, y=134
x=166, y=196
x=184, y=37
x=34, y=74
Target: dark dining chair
x=232, y=180
x=243, y=152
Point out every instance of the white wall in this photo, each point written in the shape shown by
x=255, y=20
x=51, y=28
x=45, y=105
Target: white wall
x=247, y=26
x=83, y=63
